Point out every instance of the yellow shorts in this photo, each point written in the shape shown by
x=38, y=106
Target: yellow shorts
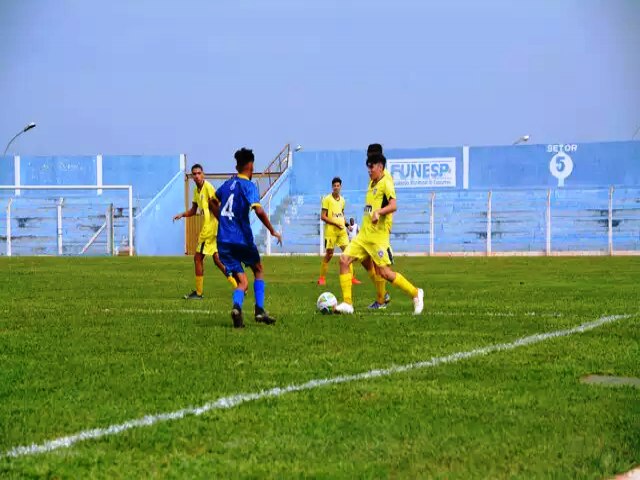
x=340, y=240
x=379, y=251
x=208, y=246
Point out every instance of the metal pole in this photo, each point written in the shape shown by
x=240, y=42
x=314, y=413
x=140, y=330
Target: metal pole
x=268, y=238
x=110, y=237
x=489, y=224
x=611, y=220
x=9, y=227
x=431, y=222
x=60, y=225
x=548, y=250
x=130, y=221
x=321, y=232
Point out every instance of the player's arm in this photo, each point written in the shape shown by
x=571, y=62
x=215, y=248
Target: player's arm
x=189, y=213
x=262, y=215
x=214, y=207
x=324, y=216
x=389, y=208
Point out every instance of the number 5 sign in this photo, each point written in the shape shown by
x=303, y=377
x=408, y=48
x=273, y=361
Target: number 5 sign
x=561, y=167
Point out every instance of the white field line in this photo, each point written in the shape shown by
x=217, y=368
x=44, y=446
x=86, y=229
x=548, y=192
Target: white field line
x=160, y=311
x=234, y=400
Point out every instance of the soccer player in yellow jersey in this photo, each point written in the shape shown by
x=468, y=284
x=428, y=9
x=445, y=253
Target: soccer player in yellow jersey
x=373, y=240
x=203, y=198
x=335, y=231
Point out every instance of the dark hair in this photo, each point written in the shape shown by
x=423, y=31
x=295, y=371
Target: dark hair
x=243, y=157
x=374, y=148
x=196, y=165
x=336, y=179
x=376, y=158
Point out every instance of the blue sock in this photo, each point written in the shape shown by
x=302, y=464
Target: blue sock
x=238, y=297
x=258, y=289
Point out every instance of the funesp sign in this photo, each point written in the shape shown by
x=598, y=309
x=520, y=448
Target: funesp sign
x=423, y=172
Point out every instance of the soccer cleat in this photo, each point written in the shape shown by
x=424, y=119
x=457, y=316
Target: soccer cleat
x=236, y=316
x=355, y=281
x=321, y=281
x=344, y=308
x=193, y=296
x=418, y=302
x=377, y=306
x=265, y=318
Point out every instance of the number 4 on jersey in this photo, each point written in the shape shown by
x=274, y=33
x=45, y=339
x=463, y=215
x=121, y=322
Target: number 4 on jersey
x=227, y=210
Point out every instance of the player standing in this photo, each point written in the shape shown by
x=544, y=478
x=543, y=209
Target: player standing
x=335, y=232
x=203, y=198
x=236, y=198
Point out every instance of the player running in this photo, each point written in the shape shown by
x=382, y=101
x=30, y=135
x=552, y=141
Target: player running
x=236, y=198
x=373, y=240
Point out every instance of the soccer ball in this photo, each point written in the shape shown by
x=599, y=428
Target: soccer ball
x=326, y=302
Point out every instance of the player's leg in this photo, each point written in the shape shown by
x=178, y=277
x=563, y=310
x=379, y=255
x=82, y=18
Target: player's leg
x=343, y=243
x=261, y=315
x=223, y=269
x=324, y=266
x=198, y=261
x=398, y=280
x=238, y=299
x=380, y=284
x=228, y=255
x=353, y=252
x=251, y=258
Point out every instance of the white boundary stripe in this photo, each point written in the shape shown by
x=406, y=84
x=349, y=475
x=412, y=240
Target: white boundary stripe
x=235, y=400
x=630, y=475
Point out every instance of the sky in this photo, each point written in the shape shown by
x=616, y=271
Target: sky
x=207, y=77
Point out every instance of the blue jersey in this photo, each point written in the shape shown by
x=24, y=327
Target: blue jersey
x=237, y=196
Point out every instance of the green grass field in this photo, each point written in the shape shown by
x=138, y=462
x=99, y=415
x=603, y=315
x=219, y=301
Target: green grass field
x=89, y=343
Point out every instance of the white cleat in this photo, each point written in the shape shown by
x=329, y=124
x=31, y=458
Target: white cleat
x=418, y=302
x=344, y=308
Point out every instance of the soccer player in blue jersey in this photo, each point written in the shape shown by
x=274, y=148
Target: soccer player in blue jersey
x=236, y=198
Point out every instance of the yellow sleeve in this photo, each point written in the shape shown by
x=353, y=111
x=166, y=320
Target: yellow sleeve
x=325, y=203
x=211, y=192
x=390, y=188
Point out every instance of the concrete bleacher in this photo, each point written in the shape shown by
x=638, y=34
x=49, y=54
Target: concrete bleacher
x=579, y=221
x=34, y=221
x=34, y=213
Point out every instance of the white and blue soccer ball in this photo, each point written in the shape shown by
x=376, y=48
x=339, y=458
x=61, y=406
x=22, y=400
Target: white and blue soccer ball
x=327, y=301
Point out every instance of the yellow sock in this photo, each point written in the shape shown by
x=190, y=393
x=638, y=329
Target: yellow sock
x=232, y=281
x=381, y=288
x=372, y=275
x=351, y=269
x=199, y=284
x=405, y=285
x=324, y=267
x=345, y=285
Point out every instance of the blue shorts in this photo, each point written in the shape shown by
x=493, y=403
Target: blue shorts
x=232, y=255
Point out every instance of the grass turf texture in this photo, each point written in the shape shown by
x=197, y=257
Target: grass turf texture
x=84, y=344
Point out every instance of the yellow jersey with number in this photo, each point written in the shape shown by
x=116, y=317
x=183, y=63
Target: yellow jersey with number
x=335, y=212
x=378, y=196
x=201, y=197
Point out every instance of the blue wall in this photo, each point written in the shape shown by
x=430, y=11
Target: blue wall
x=34, y=211
x=594, y=165
x=519, y=166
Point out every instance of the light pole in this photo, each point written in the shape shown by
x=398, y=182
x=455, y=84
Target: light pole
x=522, y=139
x=25, y=129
